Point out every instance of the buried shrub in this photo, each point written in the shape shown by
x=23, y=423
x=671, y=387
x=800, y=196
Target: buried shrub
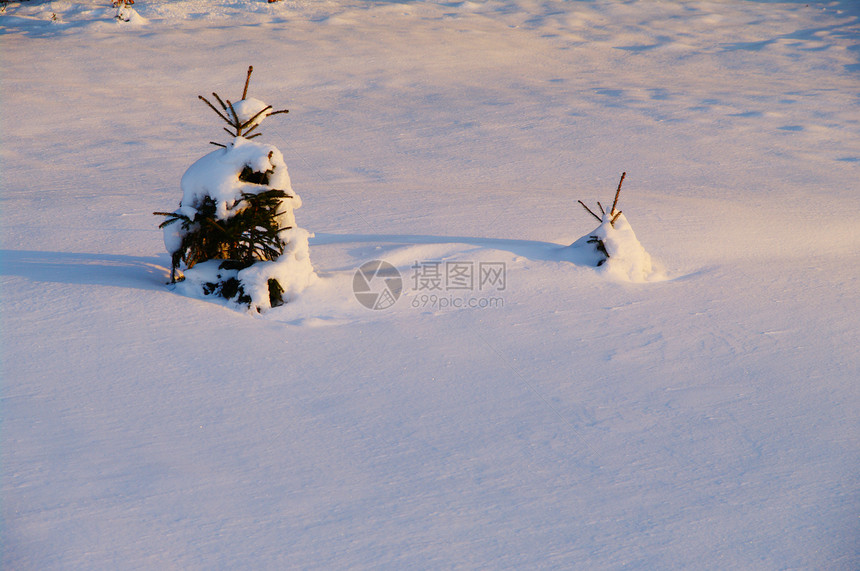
x=613, y=247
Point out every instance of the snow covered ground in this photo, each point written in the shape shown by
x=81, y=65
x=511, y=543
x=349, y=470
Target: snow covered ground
x=563, y=418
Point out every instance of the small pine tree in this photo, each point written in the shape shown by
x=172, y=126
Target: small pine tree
x=237, y=209
x=611, y=217
x=613, y=245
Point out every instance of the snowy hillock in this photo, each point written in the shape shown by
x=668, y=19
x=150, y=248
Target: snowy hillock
x=615, y=250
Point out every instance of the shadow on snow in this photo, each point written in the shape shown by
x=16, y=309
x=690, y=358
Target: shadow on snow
x=91, y=269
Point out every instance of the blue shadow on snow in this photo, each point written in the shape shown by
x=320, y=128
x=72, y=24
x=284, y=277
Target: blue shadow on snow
x=91, y=269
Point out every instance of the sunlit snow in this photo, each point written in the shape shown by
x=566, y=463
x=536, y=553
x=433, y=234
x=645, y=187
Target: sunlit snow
x=690, y=403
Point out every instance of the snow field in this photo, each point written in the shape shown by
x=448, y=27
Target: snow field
x=706, y=421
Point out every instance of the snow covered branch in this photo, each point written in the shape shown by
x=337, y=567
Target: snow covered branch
x=245, y=115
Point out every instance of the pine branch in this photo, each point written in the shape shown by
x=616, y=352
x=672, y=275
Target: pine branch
x=235, y=121
x=215, y=224
x=589, y=211
x=214, y=109
x=251, y=120
x=618, y=192
x=251, y=130
x=173, y=217
x=247, y=81
x=232, y=118
x=219, y=100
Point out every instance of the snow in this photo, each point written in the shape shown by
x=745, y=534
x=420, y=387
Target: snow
x=569, y=417
x=250, y=108
x=293, y=270
x=129, y=16
x=216, y=175
x=624, y=258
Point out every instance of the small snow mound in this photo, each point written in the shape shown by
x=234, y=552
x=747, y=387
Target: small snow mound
x=251, y=108
x=129, y=16
x=616, y=251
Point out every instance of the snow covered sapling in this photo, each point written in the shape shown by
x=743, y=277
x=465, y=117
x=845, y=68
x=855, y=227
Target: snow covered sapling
x=613, y=216
x=234, y=231
x=122, y=9
x=613, y=246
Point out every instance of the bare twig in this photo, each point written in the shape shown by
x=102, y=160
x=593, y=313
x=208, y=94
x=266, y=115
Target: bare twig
x=614, y=218
x=589, y=211
x=251, y=120
x=251, y=130
x=212, y=222
x=217, y=144
x=235, y=121
x=600, y=206
x=617, y=193
x=219, y=100
x=214, y=109
x=247, y=81
x=230, y=116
